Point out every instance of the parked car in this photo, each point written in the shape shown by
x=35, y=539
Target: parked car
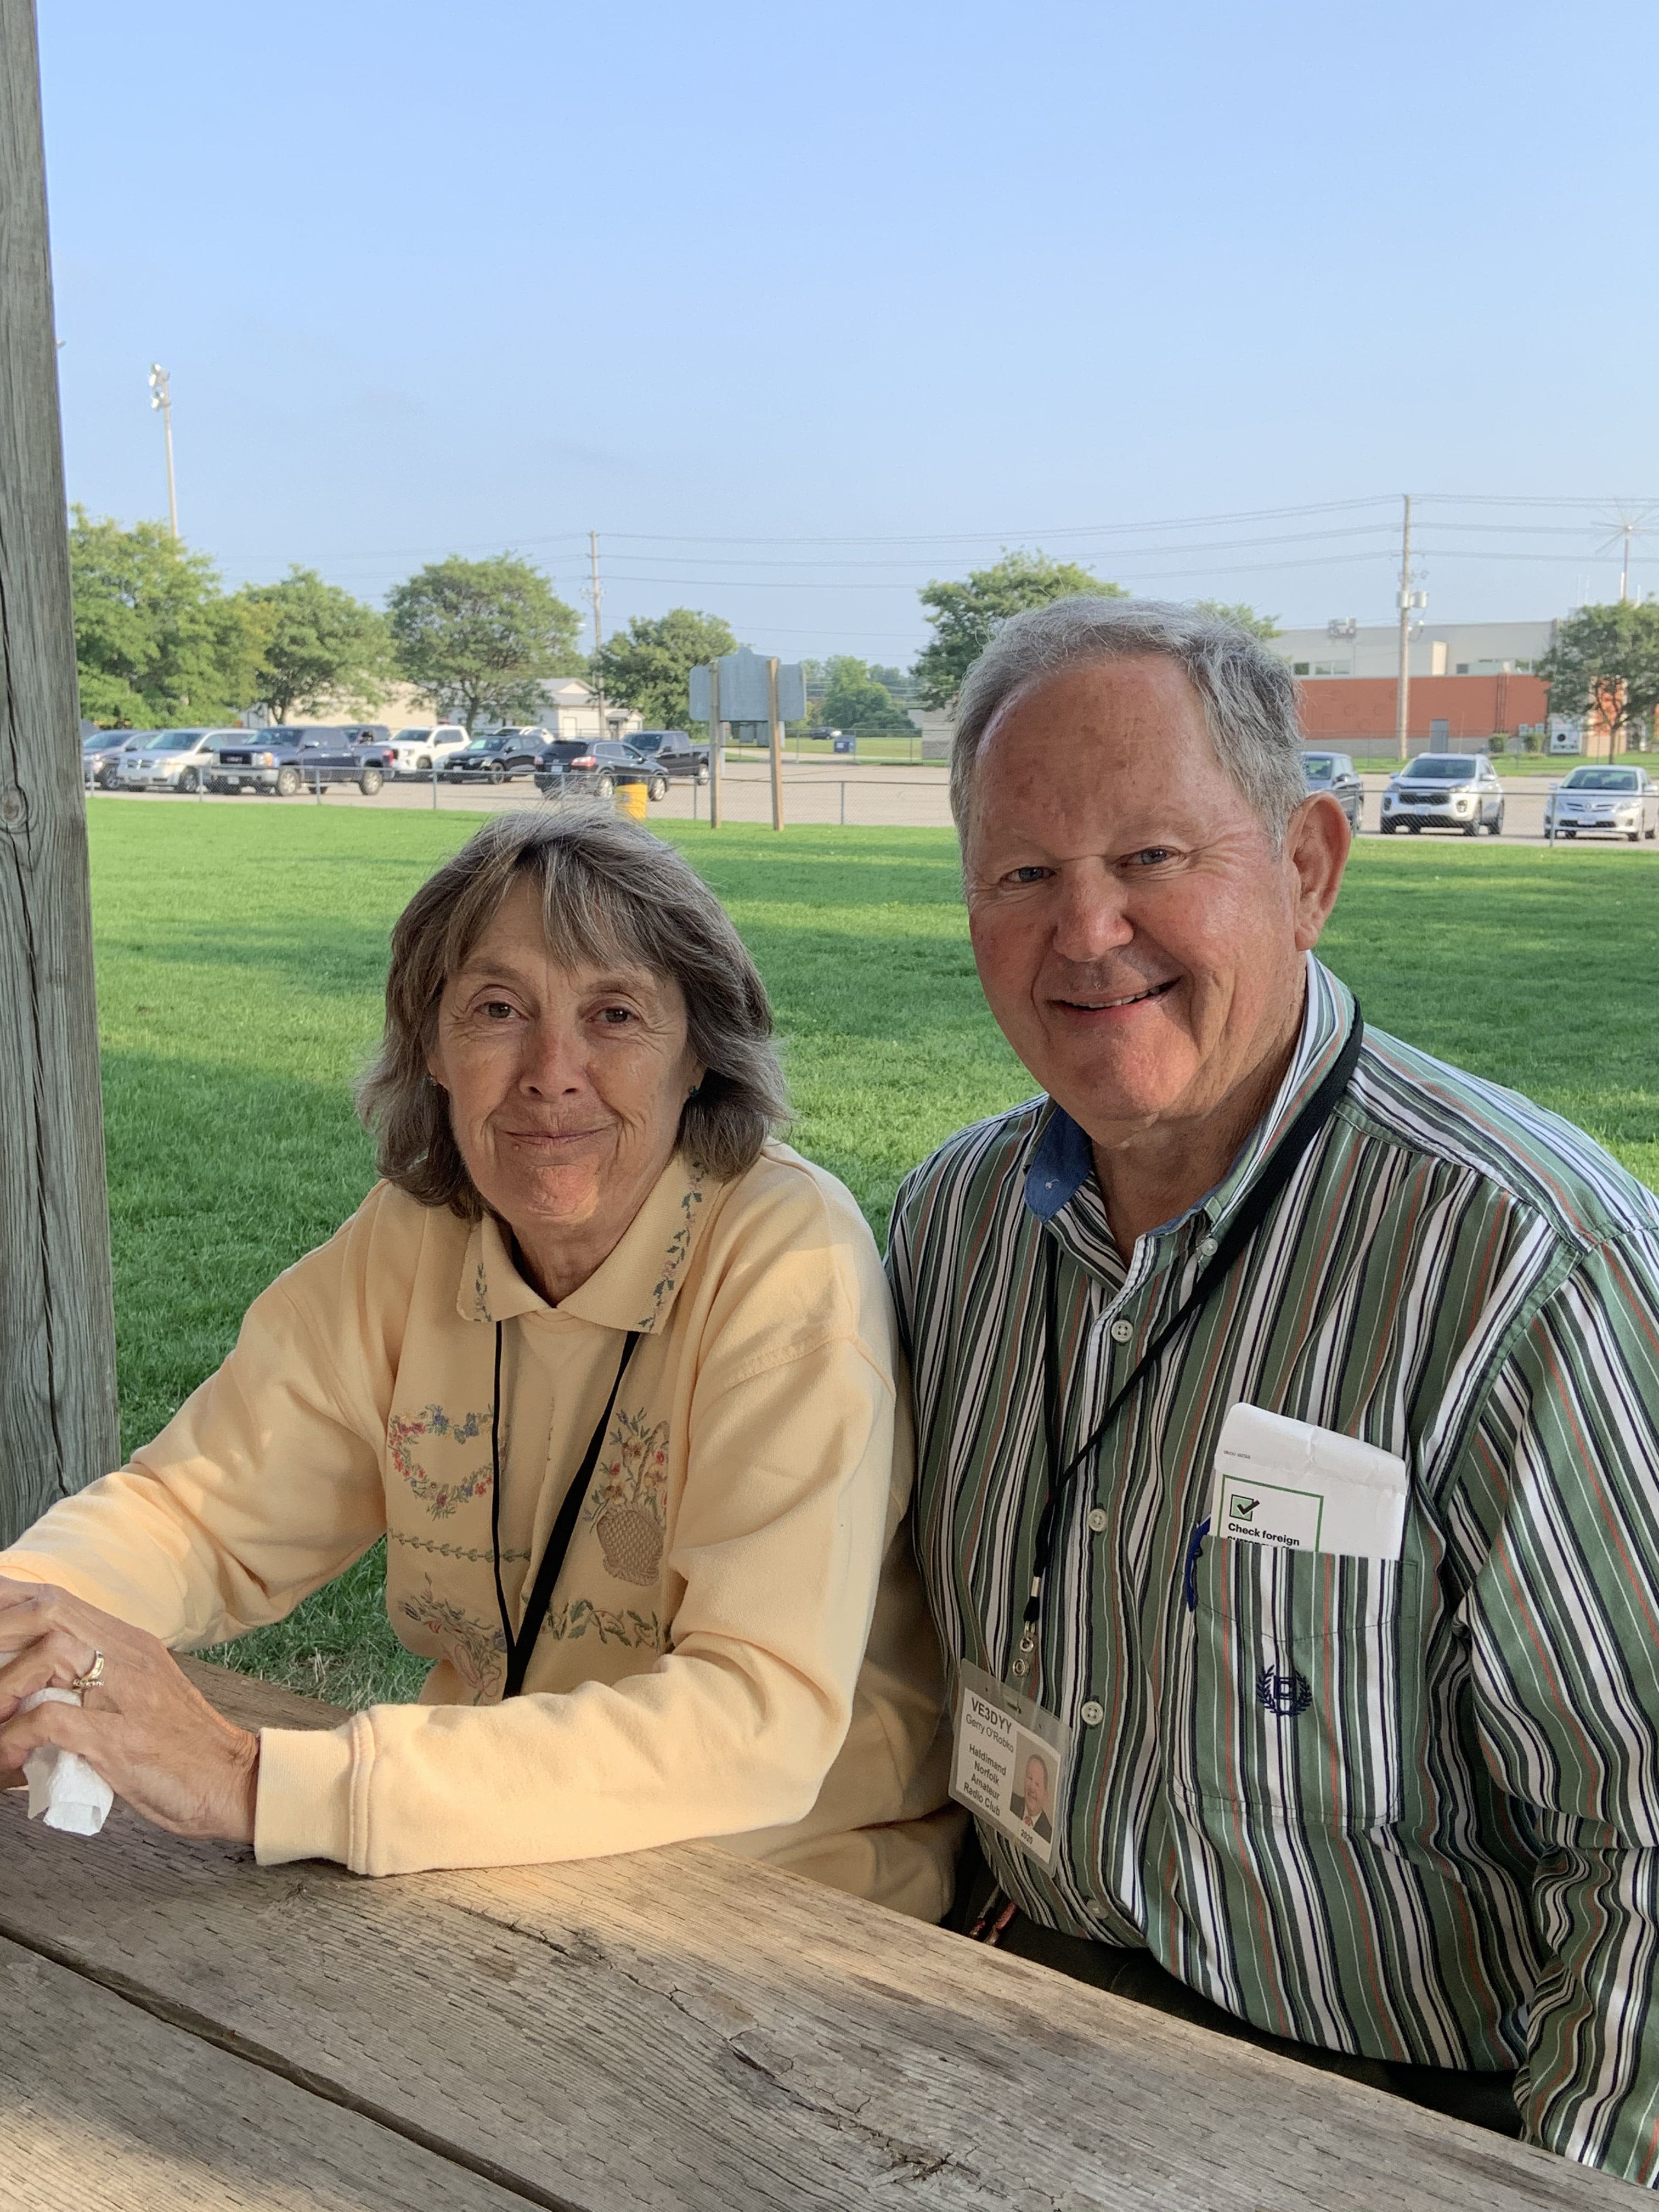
x=570, y=765
x=413, y=749
x=1616, y=802
x=1336, y=773
x=291, y=757
x=172, y=760
x=101, y=754
x=1444, y=791
x=673, y=751
x=497, y=757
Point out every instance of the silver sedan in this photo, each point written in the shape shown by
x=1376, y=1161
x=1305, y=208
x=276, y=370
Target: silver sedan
x=1604, y=802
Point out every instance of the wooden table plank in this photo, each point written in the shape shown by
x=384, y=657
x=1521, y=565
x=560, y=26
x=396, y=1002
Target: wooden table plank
x=683, y=2031
x=105, y=2109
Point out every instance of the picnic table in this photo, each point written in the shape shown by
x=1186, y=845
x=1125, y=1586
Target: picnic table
x=677, y=2031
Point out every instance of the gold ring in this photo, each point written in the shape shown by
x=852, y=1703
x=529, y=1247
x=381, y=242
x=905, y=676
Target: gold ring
x=92, y=1678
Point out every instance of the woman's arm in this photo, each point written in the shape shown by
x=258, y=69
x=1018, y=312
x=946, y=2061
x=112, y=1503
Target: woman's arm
x=264, y=1484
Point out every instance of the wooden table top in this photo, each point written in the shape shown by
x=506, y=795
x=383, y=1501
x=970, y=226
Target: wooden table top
x=677, y=2031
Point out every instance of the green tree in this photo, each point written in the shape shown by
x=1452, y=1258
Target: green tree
x=648, y=665
x=1242, y=615
x=316, y=643
x=1605, y=663
x=855, y=701
x=480, y=637
x=156, y=643
x=965, y=616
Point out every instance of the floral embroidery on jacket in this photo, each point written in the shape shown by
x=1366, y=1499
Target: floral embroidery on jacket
x=477, y=1654
x=440, y=1497
x=579, y=1618
x=678, y=1245
x=624, y=1508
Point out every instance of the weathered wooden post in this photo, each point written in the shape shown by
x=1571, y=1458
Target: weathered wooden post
x=57, y=1415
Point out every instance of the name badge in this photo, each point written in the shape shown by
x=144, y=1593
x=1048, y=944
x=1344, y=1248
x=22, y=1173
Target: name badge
x=1010, y=1763
x=1286, y=1483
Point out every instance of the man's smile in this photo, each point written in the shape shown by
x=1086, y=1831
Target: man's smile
x=1103, y=1005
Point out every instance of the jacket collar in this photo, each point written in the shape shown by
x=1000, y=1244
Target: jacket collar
x=632, y=1289
x=1062, y=1159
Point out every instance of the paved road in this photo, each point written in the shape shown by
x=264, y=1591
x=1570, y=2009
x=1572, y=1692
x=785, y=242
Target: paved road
x=825, y=793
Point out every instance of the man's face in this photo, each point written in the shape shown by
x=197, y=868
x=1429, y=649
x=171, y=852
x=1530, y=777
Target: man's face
x=1036, y=1789
x=1137, y=938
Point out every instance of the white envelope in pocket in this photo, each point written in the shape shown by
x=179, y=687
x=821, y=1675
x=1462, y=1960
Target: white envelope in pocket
x=1283, y=1482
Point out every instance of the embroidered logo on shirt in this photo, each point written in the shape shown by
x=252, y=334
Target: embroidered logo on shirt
x=625, y=1507
x=440, y=1494
x=1287, y=1695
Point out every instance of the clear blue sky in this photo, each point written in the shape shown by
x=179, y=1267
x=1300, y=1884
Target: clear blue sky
x=726, y=281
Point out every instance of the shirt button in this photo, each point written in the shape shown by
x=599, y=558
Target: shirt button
x=1094, y=1713
x=1098, y=1519
x=1122, y=1331
x=1206, y=1247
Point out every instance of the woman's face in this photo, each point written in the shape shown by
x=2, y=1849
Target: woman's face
x=565, y=1089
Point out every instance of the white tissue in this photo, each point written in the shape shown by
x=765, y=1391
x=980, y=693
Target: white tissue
x=63, y=1790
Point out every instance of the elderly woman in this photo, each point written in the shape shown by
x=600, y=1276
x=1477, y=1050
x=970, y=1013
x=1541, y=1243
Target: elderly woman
x=613, y=1372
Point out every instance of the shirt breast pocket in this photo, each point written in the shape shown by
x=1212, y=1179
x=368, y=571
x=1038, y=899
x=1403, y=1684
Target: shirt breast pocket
x=1302, y=1687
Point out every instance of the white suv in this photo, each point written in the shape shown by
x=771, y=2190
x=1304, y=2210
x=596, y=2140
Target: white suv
x=413, y=749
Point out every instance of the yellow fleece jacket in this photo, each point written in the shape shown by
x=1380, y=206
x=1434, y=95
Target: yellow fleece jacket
x=736, y=1647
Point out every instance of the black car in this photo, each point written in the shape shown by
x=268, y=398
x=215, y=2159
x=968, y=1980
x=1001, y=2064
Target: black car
x=497, y=758
x=294, y=757
x=599, y=765
x=1336, y=773
x=674, y=752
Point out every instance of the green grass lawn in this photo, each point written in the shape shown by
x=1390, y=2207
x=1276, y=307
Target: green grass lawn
x=241, y=954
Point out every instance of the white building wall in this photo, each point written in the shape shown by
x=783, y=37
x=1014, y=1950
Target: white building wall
x=1436, y=648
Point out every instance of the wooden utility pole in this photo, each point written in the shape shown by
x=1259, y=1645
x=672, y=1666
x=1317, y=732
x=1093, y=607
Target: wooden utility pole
x=1402, y=694
x=58, y=1414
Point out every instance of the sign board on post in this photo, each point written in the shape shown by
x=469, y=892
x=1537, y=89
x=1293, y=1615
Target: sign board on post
x=1567, y=734
x=744, y=692
x=742, y=687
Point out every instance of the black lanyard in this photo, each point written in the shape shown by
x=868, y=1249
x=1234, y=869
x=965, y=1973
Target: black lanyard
x=1243, y=1225
x=520, y=1647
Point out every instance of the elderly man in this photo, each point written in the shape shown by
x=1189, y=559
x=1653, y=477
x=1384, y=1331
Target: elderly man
x=1287, y=1408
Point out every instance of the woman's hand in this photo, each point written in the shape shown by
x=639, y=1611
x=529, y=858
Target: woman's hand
x=154, y=1739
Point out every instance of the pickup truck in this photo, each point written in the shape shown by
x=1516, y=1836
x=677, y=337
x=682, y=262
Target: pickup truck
x=674, y=752
x=294, y=757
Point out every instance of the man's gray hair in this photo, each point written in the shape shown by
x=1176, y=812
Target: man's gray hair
x=1249, y=694
x=610, y=892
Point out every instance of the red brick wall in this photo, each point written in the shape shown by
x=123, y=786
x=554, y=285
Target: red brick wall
x=1338, y=710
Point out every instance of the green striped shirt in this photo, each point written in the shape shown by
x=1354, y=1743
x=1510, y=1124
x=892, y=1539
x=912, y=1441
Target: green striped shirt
x=1449, y=1854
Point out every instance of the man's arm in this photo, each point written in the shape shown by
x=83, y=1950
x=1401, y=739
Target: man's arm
x=1563, y=1475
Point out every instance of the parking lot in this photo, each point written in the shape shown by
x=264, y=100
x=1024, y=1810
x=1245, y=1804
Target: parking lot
x=877, y=798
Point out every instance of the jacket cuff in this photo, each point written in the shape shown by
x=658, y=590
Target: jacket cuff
x=302, y=1809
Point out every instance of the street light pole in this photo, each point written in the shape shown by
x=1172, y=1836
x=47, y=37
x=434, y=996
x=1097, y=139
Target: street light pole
x=1402, y=696
x=161, y=396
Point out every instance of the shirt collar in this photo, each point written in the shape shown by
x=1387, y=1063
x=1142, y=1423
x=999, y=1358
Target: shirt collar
x=1062, y=1159
x=633, y=1288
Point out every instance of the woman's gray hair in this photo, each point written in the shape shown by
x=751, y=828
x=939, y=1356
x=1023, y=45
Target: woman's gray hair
x=1249, y=694
x=610, y=892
